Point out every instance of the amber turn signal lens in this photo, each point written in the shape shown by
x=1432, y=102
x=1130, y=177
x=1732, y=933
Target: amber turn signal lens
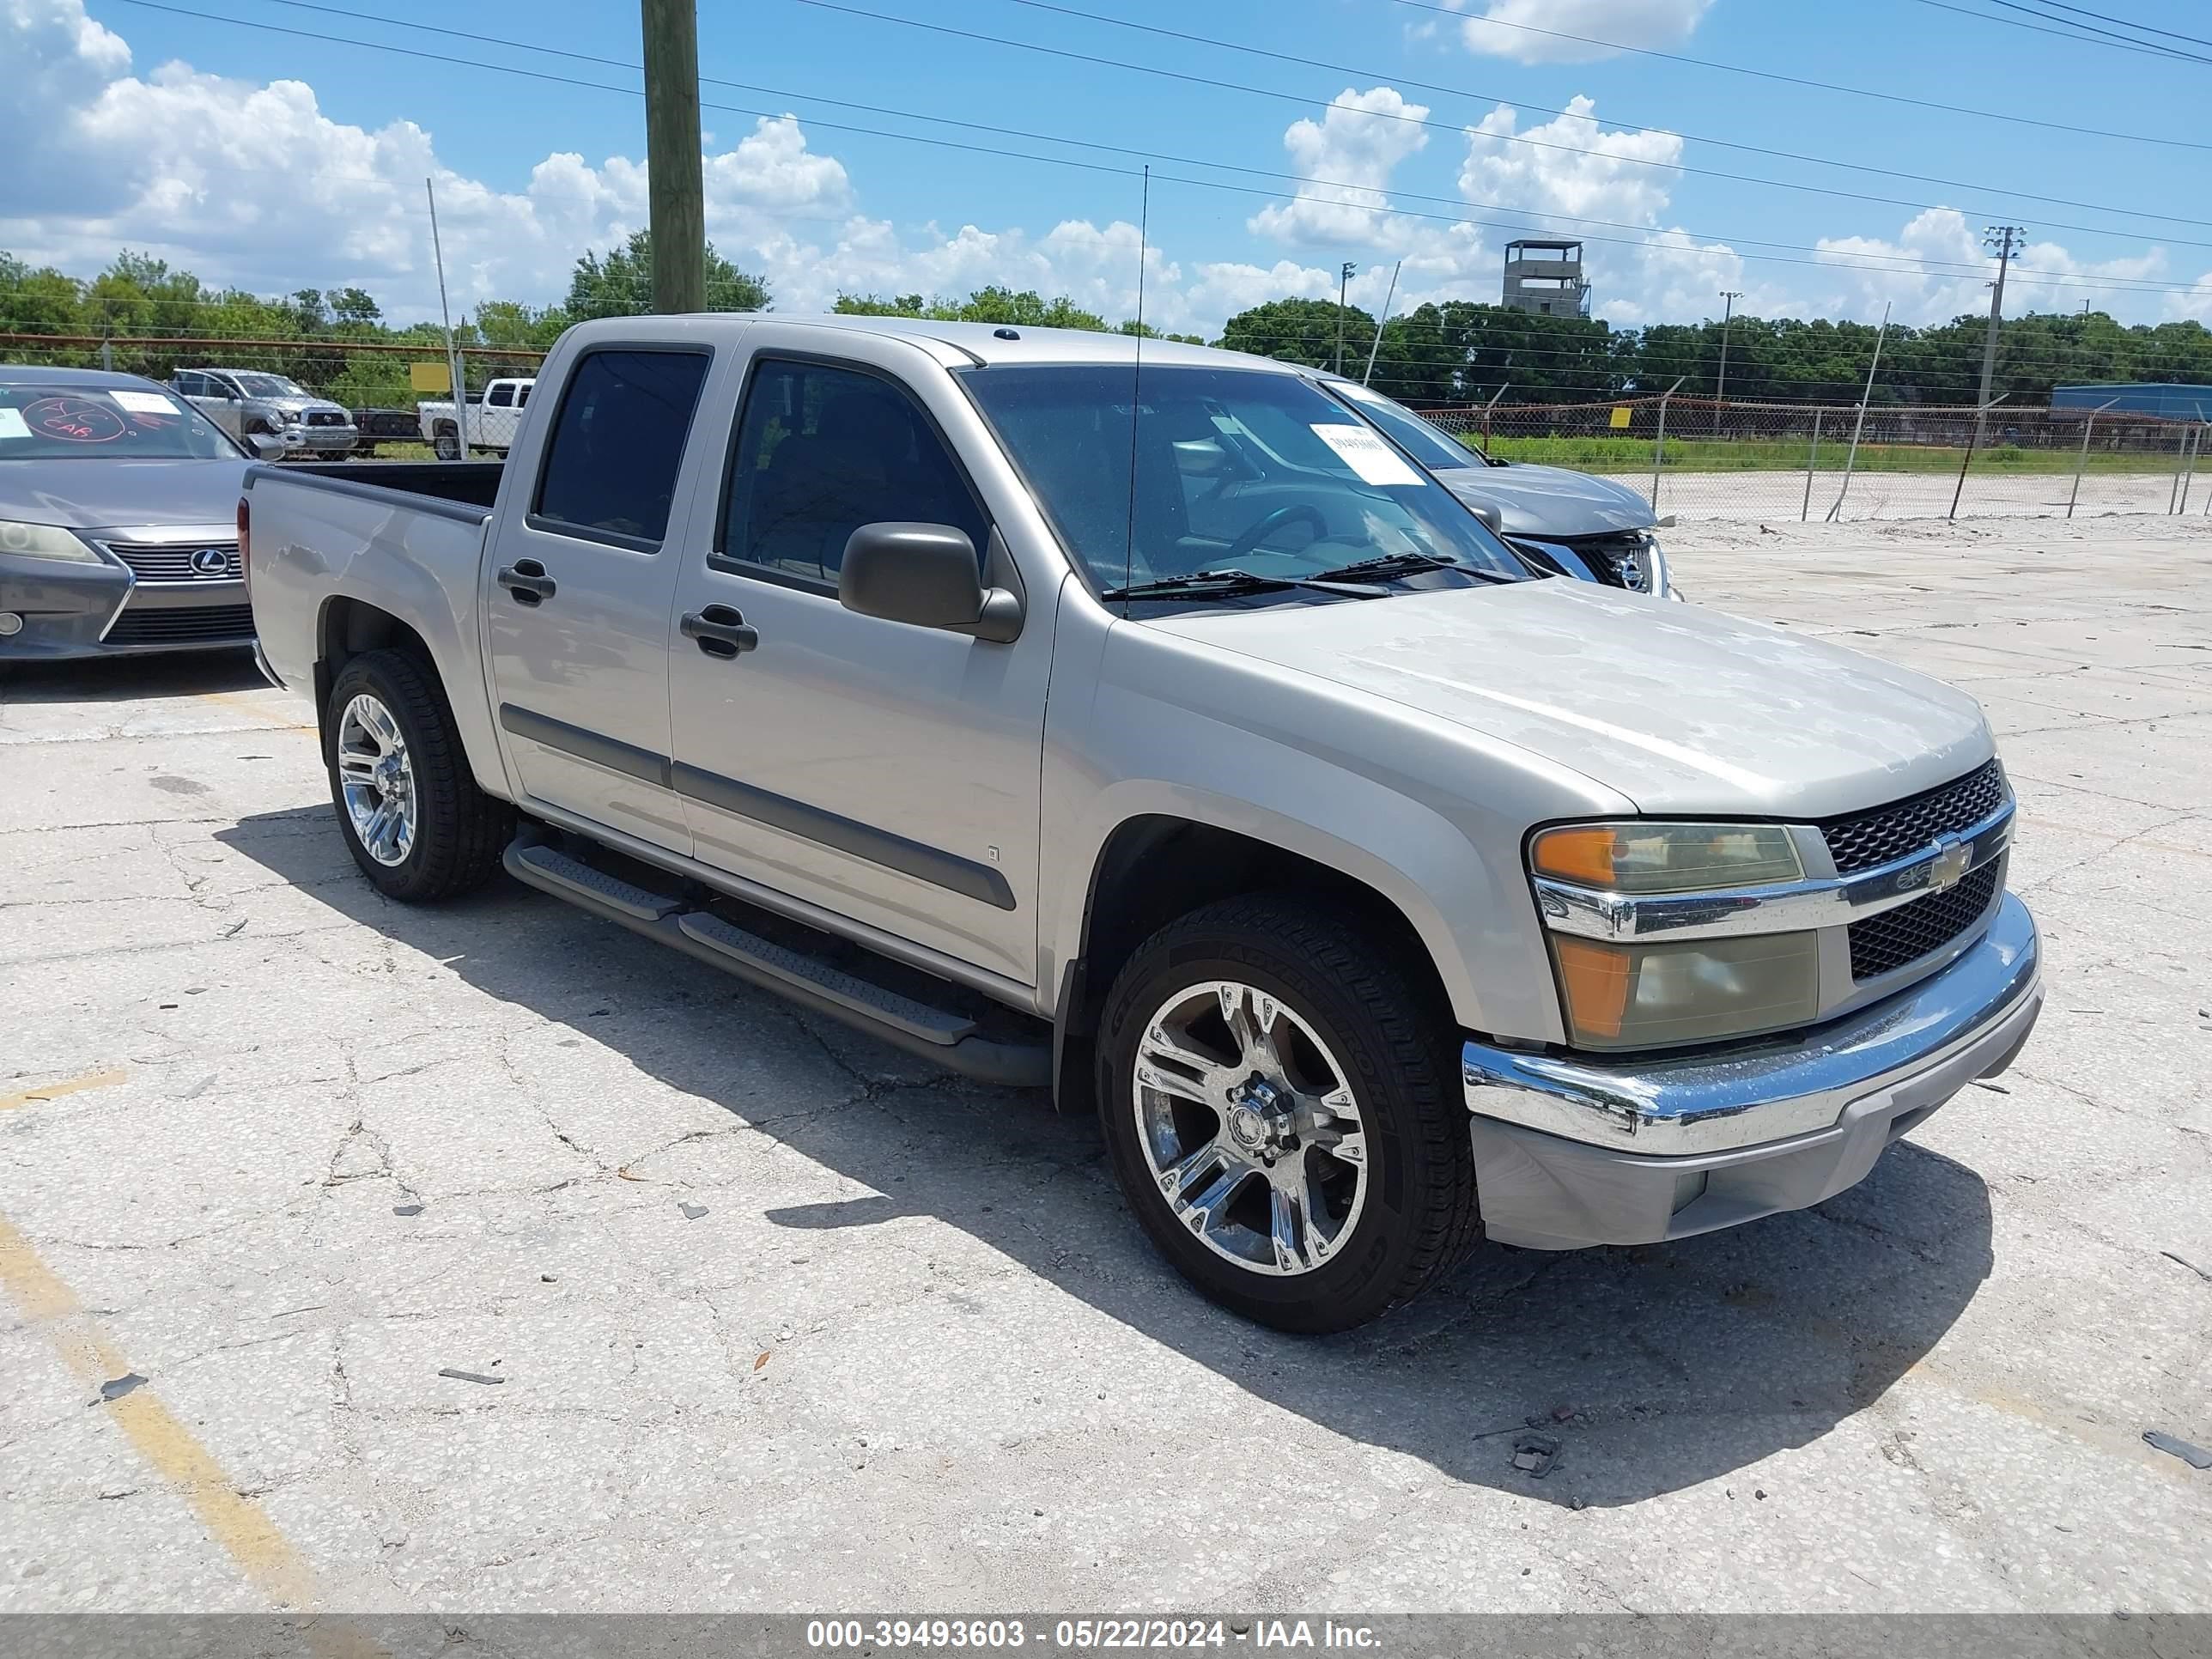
x=1584, y=854
x=1596, y=980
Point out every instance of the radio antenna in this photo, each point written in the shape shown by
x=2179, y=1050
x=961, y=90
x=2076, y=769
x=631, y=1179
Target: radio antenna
x=1136, y=386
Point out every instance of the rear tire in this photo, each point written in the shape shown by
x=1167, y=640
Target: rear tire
x=1310, y=1181
x=445, y=445
x=391, y=747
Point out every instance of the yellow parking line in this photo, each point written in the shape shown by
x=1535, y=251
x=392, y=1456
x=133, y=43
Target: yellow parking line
x=234, y=699
x=55, y=1091
x=239, y=1524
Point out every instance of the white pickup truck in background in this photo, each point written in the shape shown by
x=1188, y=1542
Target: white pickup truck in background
x=492, y=419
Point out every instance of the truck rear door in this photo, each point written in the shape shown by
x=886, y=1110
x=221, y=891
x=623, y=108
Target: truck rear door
x=886, y=772
x=577, y=589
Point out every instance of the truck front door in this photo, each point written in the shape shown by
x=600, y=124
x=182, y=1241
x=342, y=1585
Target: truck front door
x=885, y=772
x=577, y=587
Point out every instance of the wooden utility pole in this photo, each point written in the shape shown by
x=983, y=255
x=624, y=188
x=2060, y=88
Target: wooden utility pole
x=675, y=186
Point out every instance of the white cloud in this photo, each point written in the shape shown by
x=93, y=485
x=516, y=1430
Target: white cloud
x=1353, y=149
x=1529, y=31
x=1570, y=165
x=1937, y=269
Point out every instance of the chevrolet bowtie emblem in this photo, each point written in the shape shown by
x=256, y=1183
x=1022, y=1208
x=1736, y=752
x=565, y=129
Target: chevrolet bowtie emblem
x=1949, y=867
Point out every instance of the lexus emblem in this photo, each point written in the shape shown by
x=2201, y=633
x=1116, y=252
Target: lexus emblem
x=210, y=562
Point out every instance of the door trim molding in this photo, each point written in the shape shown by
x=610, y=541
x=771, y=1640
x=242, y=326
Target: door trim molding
x=940, y=868
x=849, y=836
x=584, y=744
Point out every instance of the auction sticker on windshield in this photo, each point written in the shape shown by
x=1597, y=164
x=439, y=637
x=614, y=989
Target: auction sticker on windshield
x=1365, y=453
x=12, y=424
x=143, y=403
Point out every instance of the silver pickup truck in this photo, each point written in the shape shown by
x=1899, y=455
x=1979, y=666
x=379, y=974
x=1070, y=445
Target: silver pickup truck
x=1157, y=730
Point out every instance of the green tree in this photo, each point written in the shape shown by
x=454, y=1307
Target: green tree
x=1300, y=331
x=620, y=283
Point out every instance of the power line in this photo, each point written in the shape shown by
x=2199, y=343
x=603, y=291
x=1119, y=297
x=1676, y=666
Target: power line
x=1306, y=102
x=2140, y=28
x=2092, y=30
x=2064, y=34
x=1907, y=265
x=1800, y=80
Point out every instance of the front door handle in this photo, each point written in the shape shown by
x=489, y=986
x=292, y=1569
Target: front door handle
x=527, y=579
x=720, y=630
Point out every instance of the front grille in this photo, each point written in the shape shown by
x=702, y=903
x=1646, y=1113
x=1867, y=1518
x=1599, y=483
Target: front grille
x=1860, y=840
x=172, y=562
x=325, y=417
x=1882, y=943
x=1617, y=559
x=210, y=624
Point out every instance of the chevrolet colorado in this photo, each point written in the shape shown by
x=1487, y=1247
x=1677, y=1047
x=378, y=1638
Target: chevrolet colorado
x=1144, y=721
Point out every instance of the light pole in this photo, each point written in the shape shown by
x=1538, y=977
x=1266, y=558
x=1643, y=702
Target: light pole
x=1729, y=297
x=1343, y=282
x=2004, y=241
x=675, y=191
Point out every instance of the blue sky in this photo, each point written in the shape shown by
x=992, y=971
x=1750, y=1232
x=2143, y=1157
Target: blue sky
x=280, y=160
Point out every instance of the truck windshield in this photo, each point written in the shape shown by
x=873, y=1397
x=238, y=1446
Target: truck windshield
x=63, y=423
x=1432, y=446
x=1236, y=470
x=268, y=386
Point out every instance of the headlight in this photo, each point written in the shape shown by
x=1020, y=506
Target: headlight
x=288, y=416
x=1667, y=858
x=1646, y=996
x=44, y=541
x=1640, y=996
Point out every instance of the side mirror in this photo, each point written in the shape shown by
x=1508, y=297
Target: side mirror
x=924, y=574
x=267, y=446
x=1493, y=519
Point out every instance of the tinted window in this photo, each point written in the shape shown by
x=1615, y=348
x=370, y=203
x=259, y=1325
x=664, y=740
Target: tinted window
x=1426, y=444
x=619, y=440
x=502, y=396
x=822, y=451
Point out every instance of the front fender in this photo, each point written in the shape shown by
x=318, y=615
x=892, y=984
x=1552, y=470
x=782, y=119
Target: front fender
x=1429, y=818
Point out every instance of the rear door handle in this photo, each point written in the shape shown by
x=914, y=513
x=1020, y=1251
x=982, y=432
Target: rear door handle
x=720, y=630
x=527, y=579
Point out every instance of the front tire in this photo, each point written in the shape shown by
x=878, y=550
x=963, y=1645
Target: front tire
x=446, y=444
x=1279, y=1103
x=409, y=810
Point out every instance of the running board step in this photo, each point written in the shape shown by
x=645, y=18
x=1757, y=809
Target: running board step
x=919, y=1028
x=572, y=878
x=748, y=951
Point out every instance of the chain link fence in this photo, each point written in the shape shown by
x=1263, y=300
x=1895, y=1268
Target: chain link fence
x=1692, y=458
x=1699, y=458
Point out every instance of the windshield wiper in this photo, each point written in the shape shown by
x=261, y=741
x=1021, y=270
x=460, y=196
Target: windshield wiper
x=1387, y=565
x=1209, y=583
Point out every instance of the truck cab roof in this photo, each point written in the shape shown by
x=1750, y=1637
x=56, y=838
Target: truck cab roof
x=956, y=345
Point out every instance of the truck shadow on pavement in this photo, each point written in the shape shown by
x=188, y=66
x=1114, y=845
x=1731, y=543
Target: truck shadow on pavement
x=1653, y=1369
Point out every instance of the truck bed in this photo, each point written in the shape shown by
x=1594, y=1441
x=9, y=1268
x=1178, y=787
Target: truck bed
x=463, y=483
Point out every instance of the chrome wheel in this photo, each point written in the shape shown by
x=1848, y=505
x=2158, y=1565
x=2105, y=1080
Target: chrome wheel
x=1252, y=1134
x=377, y=779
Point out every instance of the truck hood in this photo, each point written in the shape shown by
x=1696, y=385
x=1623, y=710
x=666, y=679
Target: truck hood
x=1679, y=709
x=301, y=405
x=1549, y=501
x=111, y=494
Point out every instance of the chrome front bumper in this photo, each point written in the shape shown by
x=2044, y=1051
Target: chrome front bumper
x=1569, y=1152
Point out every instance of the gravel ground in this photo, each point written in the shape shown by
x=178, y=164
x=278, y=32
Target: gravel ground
x=781, y=1321
x=1781, y=497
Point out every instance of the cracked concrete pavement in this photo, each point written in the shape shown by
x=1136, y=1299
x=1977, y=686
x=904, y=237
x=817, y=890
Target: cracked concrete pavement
x=785, y=1321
